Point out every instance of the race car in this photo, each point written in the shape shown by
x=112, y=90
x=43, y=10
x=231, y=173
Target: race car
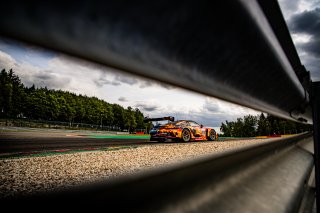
x=183, y=130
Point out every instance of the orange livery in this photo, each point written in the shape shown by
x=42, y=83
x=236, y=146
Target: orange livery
x=183, y=130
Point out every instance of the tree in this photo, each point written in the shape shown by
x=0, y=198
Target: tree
x=108, y=113
x=12, y=96
x=238, y=128
x=249, y=125
x=18, y=95
x=139, y=119
x=5, y=95
x=130, y=120
x=227, y=129
x=263, y=125
x=47, y=104
x=119, y=115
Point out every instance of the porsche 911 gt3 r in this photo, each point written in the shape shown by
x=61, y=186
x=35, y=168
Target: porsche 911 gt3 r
x=183, y=130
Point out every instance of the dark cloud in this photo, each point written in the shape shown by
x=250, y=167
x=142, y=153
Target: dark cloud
x=166, y=86
x=114, y=83
x=308, y=23
x=312, y=64
x=118, y=78
x=122, y=99
x=150, y=83
x=136, y=80
x=100, y=82
x=104, y=81
x=146, y=84
x=43, y=76
x=211, y=106
x=147, y=107
x=312, y=47
x=126, y=79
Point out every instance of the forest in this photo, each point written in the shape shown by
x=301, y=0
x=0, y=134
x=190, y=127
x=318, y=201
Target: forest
x=19, y=101
x=262, y=125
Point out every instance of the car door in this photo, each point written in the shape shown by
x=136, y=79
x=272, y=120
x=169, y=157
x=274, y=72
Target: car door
x=196, y=129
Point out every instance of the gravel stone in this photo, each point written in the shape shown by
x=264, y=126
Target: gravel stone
x=36, y=174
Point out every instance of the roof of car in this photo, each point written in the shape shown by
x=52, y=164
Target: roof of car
x=185, y=120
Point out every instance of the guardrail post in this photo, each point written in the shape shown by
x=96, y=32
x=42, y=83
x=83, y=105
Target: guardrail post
x=316, y=136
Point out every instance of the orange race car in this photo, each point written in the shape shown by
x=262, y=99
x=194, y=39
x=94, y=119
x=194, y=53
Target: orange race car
x=183, y=130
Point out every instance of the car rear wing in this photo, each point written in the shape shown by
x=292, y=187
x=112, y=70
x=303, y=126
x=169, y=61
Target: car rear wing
x=168, y=118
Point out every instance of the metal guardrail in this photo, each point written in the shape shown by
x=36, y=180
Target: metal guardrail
x=228, y=50
x=238, y=50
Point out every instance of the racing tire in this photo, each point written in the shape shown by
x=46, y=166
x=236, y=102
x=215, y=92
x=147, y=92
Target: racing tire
x=212, y=135
x=186, y=135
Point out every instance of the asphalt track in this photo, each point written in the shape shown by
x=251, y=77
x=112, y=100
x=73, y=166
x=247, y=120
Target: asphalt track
x=25, y=141
x=42, y=140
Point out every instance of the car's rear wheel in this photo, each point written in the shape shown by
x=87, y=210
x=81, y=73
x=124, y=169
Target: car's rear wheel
x=186, y=135
x=212, y=135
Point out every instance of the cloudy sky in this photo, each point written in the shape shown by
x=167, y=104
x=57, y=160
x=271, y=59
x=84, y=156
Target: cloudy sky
x=57, y=71
x=303, y=20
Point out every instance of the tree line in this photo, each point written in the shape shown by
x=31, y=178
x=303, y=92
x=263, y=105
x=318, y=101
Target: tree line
x=18, y=101
x=261, y=125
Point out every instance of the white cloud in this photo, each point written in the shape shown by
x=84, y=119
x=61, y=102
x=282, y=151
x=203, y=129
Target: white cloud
x=301, y=38
x=305, y=5
x=7, y=62
x=292, y=7
x=30, y=74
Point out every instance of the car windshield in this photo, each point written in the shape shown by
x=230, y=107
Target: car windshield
x=180, y=123
x=192, y=123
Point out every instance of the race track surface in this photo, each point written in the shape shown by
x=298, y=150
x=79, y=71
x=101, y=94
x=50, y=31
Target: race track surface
x=30, y=140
